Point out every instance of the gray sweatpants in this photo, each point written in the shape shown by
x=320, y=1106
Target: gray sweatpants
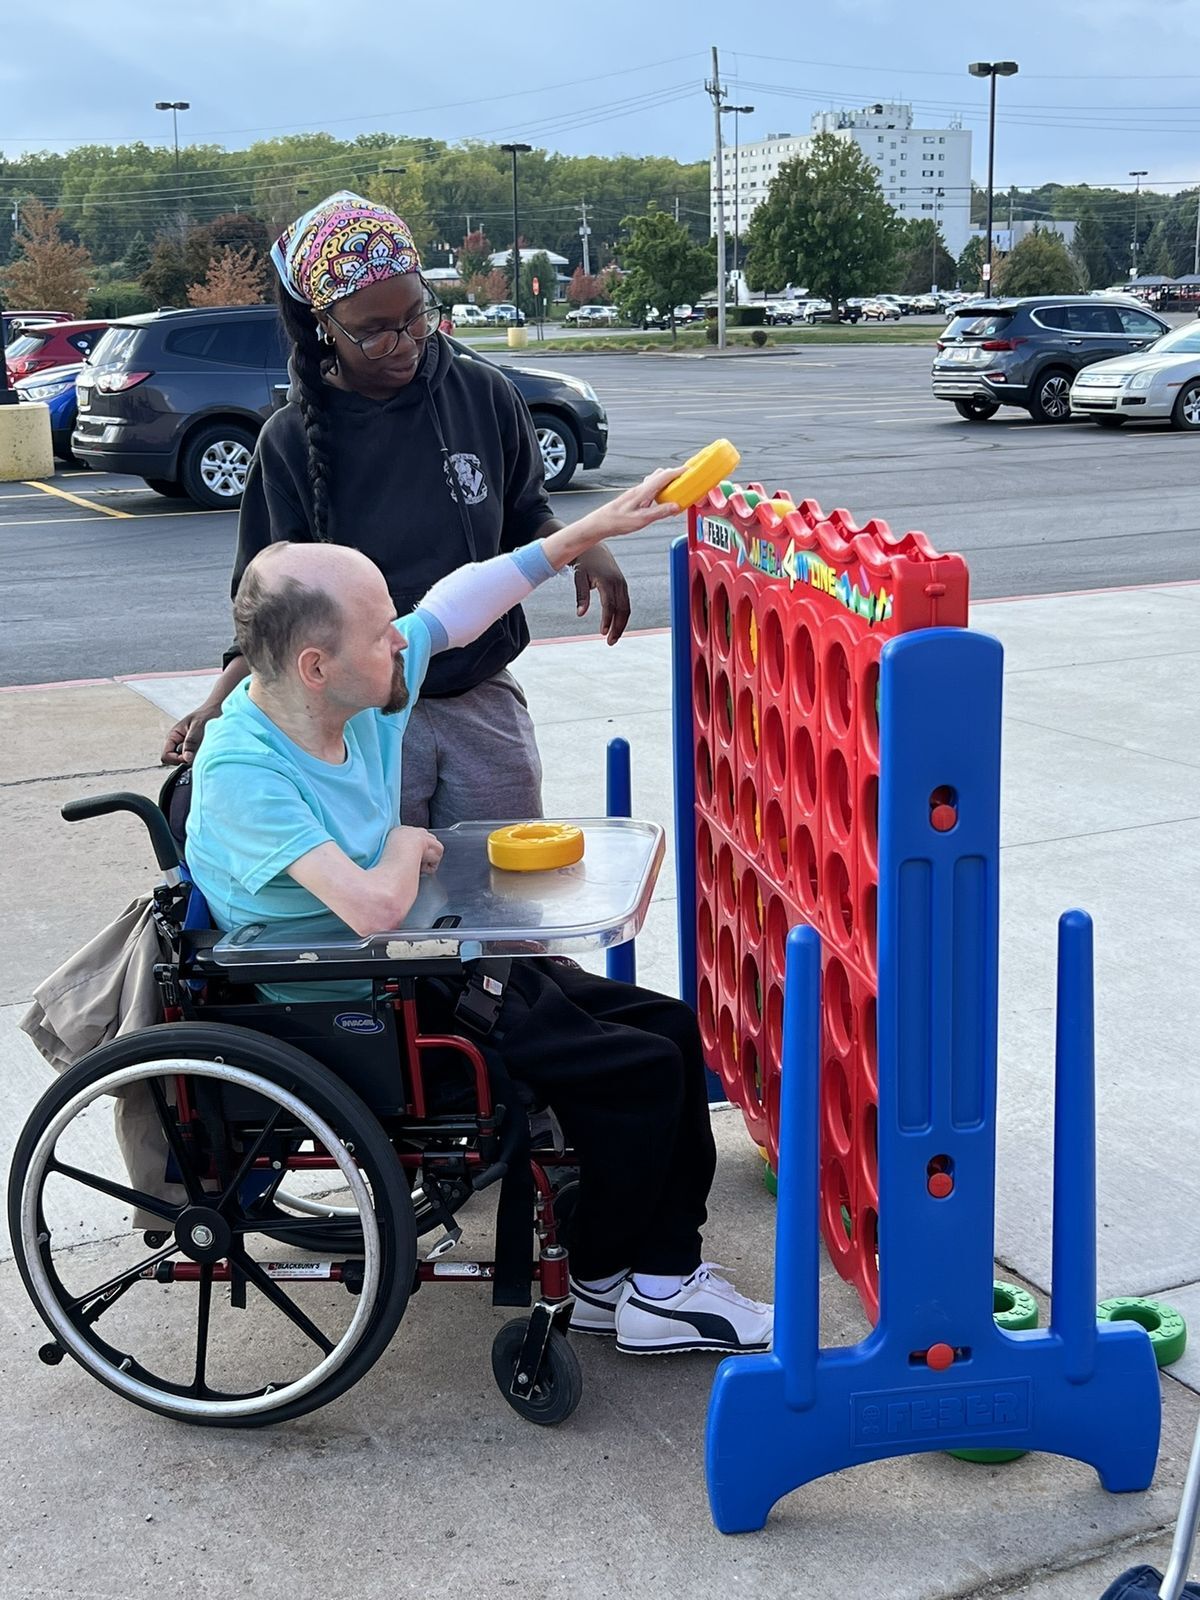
x=471, y=758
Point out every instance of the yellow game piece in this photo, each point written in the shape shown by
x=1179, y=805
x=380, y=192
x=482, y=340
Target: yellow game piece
x=781, y=507
x=703, y=472
x=535, y=846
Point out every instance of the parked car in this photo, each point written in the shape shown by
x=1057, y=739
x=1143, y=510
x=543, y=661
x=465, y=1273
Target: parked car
x=880, y=311
x=902, y=302
x=54, y=387
x=925, y=305
x=821, y=311
x=505, y=311
x=568, y=417
x=16, y=321
x=54, y=344
x=178, y=398
x=1158, y=383
x=599, y=316
x=467, y=316
x=1027, y=352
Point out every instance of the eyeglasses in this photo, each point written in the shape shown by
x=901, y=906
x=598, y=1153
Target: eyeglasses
x=377, y=346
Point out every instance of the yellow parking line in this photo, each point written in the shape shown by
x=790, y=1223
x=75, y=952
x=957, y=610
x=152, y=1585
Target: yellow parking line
x=75, y=499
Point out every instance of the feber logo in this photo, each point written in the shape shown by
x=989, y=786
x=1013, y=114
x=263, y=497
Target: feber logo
x=949, y=1412
x=357, y=1022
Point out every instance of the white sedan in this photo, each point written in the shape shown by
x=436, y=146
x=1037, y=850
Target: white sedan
x=1158, y=384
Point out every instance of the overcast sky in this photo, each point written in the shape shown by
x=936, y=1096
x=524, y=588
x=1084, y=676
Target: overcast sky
x=1104, y=86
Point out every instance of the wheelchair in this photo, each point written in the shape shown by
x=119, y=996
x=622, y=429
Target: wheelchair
x=281, y=1164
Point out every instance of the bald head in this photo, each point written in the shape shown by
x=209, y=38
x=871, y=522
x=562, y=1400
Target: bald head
x=293, y=596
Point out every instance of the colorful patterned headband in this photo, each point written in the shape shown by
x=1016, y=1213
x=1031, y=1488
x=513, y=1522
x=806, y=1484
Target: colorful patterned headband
x=340, y=246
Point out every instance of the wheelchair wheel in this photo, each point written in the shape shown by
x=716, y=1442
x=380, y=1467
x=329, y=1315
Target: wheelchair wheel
x=558, y=1387
x=219, y=1326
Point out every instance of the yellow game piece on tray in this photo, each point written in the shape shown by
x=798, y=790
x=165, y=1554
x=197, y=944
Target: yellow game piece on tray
x=702, y=473
x=535, y=846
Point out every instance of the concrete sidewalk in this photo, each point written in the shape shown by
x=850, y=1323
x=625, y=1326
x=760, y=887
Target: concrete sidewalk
x=421, y=1480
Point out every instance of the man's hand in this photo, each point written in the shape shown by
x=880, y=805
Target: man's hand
x=432, y=851
x=598, y=570
x=185, y=737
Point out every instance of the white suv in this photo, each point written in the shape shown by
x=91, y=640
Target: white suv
x=467, y=316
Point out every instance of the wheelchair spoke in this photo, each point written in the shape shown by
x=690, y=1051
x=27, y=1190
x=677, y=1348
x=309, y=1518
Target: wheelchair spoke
x=136, y=1198
x=350, y=1226
x=267, y=1286
x=249, y=1159
x=204, y=1307
x=170, y=1127
x=119, y=1284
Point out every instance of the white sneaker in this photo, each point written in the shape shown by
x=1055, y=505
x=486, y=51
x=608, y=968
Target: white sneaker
x=706, y=1314
x=595, y=1310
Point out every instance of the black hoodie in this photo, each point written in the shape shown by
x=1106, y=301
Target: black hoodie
x=447, y=471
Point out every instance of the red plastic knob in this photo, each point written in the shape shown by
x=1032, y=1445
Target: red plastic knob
x=941, y=1184
x=939, y=1357
x=943, y=818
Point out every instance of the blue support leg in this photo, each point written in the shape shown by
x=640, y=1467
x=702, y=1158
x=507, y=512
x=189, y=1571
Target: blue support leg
x=620, y=960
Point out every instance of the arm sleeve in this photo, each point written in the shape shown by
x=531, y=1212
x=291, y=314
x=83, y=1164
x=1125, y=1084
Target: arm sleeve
x=261, y=821
x=527, y=513
x=270, y=511
x=465, y=603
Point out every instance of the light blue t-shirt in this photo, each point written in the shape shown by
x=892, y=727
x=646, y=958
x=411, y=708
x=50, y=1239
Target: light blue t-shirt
x=260, y=802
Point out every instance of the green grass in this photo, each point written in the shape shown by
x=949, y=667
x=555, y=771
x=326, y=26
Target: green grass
x=736, y=338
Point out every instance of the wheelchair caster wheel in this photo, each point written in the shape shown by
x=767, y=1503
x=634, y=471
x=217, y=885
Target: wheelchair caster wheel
x=557, y=1387
x=153, y=1239
x=51, y=1353
x=1167, y=1329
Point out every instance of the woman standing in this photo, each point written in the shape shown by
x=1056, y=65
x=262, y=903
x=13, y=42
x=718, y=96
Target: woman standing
x=424, y=460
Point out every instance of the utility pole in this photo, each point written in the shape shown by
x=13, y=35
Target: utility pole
x=585, y=234
x=1196, y=257
x=933, y=283
x=1138, y=174
x=717, y=94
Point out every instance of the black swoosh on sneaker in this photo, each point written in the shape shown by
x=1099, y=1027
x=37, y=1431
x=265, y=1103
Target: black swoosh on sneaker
x=705, y=1323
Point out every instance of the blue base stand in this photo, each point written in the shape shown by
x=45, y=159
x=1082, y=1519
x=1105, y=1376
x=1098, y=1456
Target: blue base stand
x=935, y=1373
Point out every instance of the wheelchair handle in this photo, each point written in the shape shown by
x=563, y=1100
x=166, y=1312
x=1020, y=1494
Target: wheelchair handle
x=102, y=805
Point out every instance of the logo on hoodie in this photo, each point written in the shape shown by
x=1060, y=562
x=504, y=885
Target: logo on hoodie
x=467, y=477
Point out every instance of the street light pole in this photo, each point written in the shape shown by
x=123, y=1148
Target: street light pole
x=737, y=225
x=991, y=70
x=1137, y=176
x=516, y=150
x=174, y=107
x=717, y=94
x=938, y=194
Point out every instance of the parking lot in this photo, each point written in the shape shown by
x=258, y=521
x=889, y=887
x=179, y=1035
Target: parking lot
x=103, y=577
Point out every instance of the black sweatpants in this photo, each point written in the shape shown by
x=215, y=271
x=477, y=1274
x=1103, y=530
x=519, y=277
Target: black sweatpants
x=623, y=1071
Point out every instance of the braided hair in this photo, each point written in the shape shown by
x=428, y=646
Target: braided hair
x=311, y=366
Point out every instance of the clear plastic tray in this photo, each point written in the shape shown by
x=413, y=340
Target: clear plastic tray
x=468, y=908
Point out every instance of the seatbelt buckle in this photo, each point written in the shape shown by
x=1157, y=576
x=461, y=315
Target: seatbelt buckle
x=479, y=1003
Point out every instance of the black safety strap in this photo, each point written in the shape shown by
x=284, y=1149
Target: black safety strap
x=479, y=1002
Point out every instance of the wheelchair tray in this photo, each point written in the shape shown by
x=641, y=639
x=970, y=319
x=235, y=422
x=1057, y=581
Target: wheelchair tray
x=468, y=908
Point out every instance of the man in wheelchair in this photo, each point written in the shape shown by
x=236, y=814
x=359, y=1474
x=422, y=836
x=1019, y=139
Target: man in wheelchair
x=295, y=813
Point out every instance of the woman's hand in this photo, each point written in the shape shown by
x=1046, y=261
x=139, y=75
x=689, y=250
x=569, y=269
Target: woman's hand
x=598, y=570
x=185, y=737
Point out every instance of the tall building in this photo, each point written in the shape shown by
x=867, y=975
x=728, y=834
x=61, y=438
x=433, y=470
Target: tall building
x=923, y=172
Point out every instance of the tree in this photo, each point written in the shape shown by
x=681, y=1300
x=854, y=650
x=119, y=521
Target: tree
x=473, y=254
x=541, y=268
x=1158, y=254
x=824, y=223
x=166, y=279
x=1090, y=250
x=233, y=278
x=582, y=289
x=137, y=256
x=48, y=272
x=970, y=264
x=922, y=260
x=1040, y=264
x=664, y=268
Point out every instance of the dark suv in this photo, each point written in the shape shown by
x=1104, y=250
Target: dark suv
x=1026, y=352
x=178, y=398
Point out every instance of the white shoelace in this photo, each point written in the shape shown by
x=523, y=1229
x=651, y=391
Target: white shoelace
x=706, y=1273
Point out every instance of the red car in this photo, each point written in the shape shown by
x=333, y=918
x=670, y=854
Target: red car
x=58, y=344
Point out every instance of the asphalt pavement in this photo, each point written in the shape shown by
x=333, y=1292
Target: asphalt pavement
x=117, y=580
